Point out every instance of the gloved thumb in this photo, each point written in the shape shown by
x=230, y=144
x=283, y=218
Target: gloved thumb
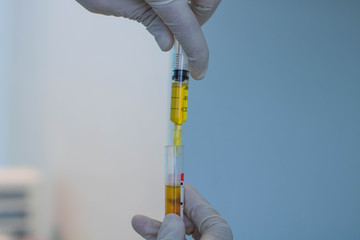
x=173, y=228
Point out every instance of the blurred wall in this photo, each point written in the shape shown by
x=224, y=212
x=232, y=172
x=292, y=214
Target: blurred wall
x=273, y=135
x=89, y=106
x=5, y=59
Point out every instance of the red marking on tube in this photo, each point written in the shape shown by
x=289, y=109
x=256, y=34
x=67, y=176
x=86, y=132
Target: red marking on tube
x=182, y=177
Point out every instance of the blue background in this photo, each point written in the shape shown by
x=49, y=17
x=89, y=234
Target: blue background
x=273, y=137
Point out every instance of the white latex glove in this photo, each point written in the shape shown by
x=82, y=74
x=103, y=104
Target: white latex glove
x=201, y=221
x=165, y=19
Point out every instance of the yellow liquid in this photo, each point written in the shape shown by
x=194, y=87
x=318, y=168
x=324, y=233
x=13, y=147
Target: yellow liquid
x=172, y=199
x=177, y=132
x=179, y=101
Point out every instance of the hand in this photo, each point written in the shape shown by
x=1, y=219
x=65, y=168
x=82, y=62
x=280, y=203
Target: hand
x=166, y=19
x=201, y=221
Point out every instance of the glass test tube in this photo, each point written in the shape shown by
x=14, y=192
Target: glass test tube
x=174, y=180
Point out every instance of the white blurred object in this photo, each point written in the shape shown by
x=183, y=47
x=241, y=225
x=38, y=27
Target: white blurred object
x=89, y=105
x=21, y=205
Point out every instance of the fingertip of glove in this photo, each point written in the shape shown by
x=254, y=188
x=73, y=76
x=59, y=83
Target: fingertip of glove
x=165, y=42
x=198, y=75
x=172, y=220
x=161, y=33
x=145, y=226
x=172, y=228
x=198, y=63
x=136, y=221
x=172, y=217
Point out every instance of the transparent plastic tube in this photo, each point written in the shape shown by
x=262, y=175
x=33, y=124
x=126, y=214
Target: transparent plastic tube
x=180, y=60
x=174, y=180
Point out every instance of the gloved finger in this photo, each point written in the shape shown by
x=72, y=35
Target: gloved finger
x=161, y=33
x=140, y=11
x=204, y=9
x=148, y=228
x=189, y=225
x=191, y=229
x=182, y=22
x=137, y=10
x=207, y=220
x=144, y=14
x=173, y=228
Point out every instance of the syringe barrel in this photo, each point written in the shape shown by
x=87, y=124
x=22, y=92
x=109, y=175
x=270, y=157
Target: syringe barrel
x=180, y=63
x=174, y=179
x=180, y=86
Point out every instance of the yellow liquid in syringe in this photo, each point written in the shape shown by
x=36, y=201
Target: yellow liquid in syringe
x=179, y=100
x=178, y=109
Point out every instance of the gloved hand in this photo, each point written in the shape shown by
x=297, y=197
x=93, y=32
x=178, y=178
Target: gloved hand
x=165, y=19
x=201, y=221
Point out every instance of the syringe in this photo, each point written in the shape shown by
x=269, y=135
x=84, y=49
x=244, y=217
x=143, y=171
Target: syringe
x=179, y=91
